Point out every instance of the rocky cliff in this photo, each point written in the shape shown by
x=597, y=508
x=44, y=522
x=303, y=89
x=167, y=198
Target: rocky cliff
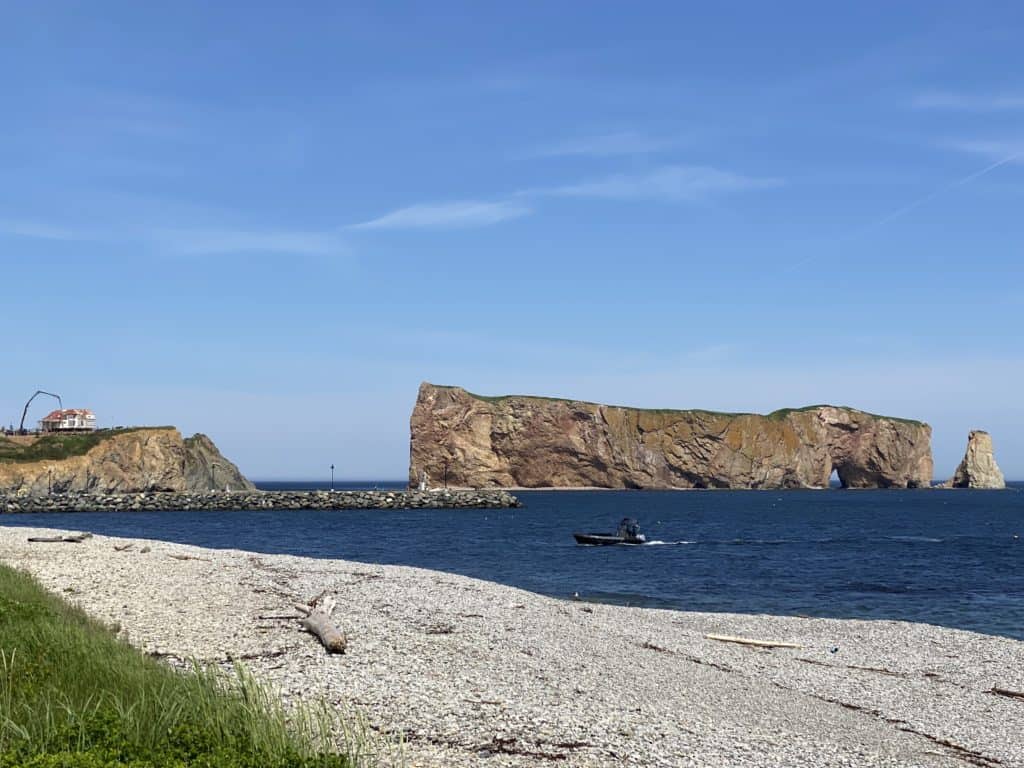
x=118, y=461
x=979, y=468
x=532, y=442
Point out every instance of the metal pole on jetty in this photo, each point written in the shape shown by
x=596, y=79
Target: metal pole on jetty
x=332, y=477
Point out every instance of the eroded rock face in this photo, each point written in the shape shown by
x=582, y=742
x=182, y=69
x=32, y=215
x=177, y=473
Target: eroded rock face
x=535, y=442
x=979, y=468
x=132, y=461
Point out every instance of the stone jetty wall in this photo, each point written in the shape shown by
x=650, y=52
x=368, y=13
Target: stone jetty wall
x=252, y=500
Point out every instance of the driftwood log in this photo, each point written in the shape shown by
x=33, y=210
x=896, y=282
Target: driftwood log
x=317, y=620
x=76, y=538
x=1008, y=693
x=751, y=641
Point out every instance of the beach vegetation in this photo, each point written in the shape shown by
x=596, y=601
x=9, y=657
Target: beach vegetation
x=74, y=695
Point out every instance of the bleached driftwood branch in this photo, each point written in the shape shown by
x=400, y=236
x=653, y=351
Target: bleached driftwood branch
x=751, y=641
x=76, y=538
x=1008, y=693
x=317, y=620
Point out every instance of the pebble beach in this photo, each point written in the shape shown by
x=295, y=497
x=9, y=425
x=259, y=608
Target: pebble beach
x=466, y=672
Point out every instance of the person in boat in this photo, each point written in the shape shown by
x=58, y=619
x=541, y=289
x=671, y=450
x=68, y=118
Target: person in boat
x=629, y=529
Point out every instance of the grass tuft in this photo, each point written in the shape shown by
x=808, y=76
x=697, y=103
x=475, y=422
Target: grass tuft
x=72, y=695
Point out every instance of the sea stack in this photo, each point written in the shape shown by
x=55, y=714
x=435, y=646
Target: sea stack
x=979, y=468
x=466, y=440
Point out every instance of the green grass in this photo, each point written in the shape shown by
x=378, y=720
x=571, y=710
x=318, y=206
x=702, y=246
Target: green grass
x=74, y=696
x=59, y=446
x=778, y=415
x=784, y=412
x=502, y=398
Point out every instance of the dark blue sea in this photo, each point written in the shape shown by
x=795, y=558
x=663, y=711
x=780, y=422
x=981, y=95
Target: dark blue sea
x=954, y=558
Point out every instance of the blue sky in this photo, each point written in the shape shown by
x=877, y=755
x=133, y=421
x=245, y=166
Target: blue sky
x=271, y=223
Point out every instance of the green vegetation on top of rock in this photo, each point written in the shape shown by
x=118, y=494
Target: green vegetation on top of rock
x=502, y=398
x=57, y=446
x=776, y=415
x=782, y=413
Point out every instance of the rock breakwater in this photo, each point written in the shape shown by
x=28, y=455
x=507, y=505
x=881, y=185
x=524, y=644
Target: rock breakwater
x=254, y=500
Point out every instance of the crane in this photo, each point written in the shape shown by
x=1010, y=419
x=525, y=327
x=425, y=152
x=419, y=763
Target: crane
x=21, y=426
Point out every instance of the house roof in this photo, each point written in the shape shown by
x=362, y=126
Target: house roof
x=61, y=415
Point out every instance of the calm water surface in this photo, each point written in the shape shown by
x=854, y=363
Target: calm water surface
x=954, y=558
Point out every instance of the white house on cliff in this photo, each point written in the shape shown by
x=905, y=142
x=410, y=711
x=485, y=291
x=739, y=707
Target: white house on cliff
x=68, y=420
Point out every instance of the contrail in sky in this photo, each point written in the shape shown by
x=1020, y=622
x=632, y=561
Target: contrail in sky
x=944, y=188
x=919, y=202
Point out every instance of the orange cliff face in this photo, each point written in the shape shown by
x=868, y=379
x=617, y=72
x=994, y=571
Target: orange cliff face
x=128, y=461
x=536, y=442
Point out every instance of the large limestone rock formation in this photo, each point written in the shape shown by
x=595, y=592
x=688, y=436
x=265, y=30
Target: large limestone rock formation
x=156, y=459
x=532, y=442
x=979, y=468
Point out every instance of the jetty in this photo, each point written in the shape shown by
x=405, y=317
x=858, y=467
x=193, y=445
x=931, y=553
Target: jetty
x=166, y=501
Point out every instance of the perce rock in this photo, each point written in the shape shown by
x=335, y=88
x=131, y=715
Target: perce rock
x=979, y=468
x=119, y=461
x=533, y=442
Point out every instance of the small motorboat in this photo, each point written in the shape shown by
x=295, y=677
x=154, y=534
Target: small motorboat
x=628, y=533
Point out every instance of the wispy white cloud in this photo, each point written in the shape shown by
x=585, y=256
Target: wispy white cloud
x=996, y=150
x=196, y=242
x=184, y=240
x=607, y=145
x=671, y=183
x=38, y=230
x=711, y=353
x=459, y=214
x=969, y=102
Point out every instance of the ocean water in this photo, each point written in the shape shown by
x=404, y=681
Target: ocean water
x=954, y=558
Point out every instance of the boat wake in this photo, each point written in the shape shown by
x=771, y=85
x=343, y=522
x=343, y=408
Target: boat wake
x=667, y=543
x=776, y=542
x=915, y=539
